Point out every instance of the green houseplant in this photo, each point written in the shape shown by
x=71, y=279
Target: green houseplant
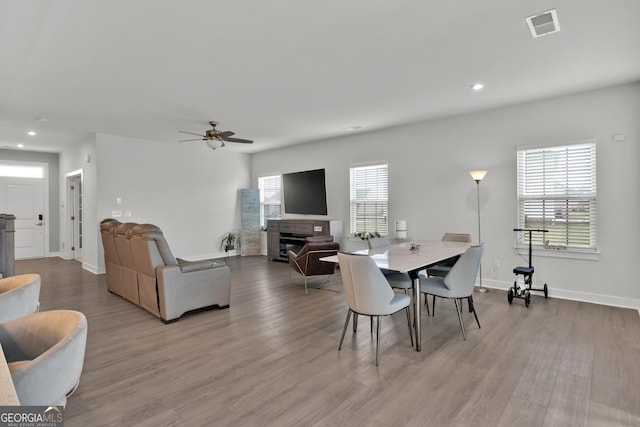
x=366, y=235
x=229, y=241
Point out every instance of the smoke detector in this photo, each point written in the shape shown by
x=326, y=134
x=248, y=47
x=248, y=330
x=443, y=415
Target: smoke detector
x=543, y=23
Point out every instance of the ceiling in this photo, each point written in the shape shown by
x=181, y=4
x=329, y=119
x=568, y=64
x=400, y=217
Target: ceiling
x=283, y=72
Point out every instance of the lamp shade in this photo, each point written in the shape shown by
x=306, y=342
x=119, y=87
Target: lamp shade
x=477, y=175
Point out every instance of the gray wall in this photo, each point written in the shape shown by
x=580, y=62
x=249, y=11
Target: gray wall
x=430, y=186
x=54, y=188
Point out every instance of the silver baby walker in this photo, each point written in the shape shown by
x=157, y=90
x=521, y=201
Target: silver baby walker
x=524, y=292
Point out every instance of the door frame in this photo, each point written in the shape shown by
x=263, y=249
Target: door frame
x=69, y=196
x=45, y=168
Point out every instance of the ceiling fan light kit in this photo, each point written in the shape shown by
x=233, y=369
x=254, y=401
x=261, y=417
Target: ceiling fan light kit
x=215, y=138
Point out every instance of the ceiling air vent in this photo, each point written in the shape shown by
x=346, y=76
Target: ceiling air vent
x=543, y=23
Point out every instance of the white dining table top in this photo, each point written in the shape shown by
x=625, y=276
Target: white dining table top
x=400, y=257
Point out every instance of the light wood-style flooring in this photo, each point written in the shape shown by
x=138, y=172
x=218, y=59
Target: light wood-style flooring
x=272, y=359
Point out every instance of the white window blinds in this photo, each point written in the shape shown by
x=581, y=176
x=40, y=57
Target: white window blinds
x=270, y=198
x=369, y=199
x=557, y=192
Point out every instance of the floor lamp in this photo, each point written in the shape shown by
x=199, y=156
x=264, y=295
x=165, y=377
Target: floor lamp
x=477, y=177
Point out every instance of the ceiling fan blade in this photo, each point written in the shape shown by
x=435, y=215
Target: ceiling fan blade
x=187, y=140
x=191, y=133
x=225, y=134
x=244, y=141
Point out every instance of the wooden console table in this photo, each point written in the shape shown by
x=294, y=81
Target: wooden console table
x=286, y=234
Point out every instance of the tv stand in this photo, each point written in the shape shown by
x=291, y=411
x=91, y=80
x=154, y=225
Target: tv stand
x=290, y=234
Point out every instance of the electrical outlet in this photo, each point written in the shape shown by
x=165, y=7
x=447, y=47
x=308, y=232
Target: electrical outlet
x=496, y=264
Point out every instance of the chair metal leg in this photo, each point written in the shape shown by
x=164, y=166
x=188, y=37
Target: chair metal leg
x=355, y=322
x=433, y=305
x=371, y=322
x=472, y=307
x=426, y=303
x=305, y=285
x=409, y=324
x=378, y=341
x=459, y=311
x=344, y=330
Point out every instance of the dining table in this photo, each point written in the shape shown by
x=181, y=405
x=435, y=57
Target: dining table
x=411, y=257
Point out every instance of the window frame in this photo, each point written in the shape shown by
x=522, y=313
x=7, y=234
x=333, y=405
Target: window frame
x=262, y=191
x=380, y=201
x=576, y=190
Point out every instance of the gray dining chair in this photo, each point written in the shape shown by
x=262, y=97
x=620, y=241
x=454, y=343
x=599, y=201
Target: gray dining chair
x=443, y=268
x=456, y=285
x=368, y=293
x=396, y=279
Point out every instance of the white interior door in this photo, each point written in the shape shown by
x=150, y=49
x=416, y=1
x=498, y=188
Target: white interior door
x=24, y=198
x=75, y=197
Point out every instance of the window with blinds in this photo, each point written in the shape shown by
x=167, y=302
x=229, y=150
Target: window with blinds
x=270, y=198
x=557, y=192
x=369, y=199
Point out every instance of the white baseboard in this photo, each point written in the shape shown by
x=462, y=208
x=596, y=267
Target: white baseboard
x=573, y=295
x=93, y=269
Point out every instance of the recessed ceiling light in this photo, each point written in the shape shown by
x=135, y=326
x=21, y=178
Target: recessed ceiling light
x=31, y=133
x=477, y=86
x=20, y=145
x=352, y=128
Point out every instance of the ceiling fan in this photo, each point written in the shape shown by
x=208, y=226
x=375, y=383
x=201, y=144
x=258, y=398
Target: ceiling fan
x=212, y=136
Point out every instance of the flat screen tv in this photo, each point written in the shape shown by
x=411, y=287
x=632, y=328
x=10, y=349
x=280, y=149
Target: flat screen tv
x=305, y=192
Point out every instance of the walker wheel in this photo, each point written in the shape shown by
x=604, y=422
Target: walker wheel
x=510, y=295
x=527, y=298
x=546, y=292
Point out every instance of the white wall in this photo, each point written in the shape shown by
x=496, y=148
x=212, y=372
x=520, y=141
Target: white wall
x=430, y=186
x=81, y=156
x=188, y=190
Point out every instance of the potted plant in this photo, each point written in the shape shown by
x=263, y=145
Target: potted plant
x=229, y=241
x=366, y=235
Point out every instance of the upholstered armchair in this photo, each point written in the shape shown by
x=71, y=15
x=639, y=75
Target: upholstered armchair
x=45, y=355
x=169, y=288
x=19, y=296
x=307, y=261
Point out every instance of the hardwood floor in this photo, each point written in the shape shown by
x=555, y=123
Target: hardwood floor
x=272, y=359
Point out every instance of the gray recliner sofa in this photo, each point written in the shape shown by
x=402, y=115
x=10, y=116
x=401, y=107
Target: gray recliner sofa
x=164, y=286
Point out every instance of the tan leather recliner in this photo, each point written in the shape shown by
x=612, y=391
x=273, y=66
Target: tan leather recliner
x=112, y=262
x=169, y=288
x=129, y=272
